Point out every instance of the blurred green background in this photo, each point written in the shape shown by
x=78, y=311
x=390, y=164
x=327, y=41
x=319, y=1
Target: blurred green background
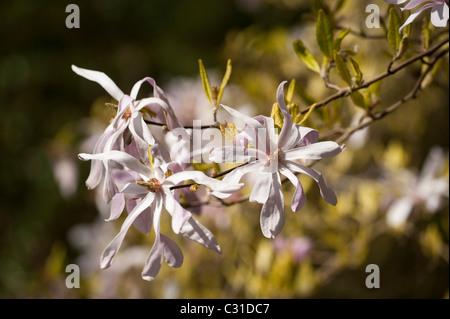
x=46, y=114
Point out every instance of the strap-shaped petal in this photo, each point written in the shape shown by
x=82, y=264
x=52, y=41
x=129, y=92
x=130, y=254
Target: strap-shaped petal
x=179, y=214
x=314, y=151
x=261, y=189
x=272, y=213
x=195, y=231
x=325, y=190
x=299, y=197
x=121, y=158
x=235, y=154
x=102, y=79
x=113, y=247
x=243, y=117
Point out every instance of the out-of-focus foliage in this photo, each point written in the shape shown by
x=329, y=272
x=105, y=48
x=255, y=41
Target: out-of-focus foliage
x=48, y=219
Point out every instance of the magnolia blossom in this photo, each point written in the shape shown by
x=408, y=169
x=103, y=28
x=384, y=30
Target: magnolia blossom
x=427, y=189
x=149, y=194
x=269, y=154
x=127, y=131
x=439, y=10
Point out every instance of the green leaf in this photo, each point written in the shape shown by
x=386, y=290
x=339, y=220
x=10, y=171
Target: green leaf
x=357, y=70
x=305, y=56
x=342, y=69
x=205, y=81
x=225, y=79
x=340, y=37
x=358, y=99
x=394, y=25
x=324, y=33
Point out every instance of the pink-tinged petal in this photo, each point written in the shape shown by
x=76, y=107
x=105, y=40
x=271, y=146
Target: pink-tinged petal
x=414, y=15
x=235, y=176
x=251, y=122
x=261, y=189
x=412, y=4
x=287, y=132
x=172, y=253
x=396, y=1
x=325, y=190
x=439, y=15
x=137, y=86
x=195, y=231
x=117, y=206
x=144, y=221
x=113, y=247
x=314, y=151
x=235, y=154
x=272, y=213
x=122, y=158
x=179, y=215
x=109, y=186
x=219, y=188
x=156, y=103
x=124, y=105
x=307, y=135
x=142, y=136
x=134, y=189
x=154, y=260
x=102, y=79
x=299, y=197
x=96, y=172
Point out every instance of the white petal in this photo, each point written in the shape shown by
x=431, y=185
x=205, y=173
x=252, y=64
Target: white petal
x=195, y=231
x=439, y=15
x=122, y=158
x=172, y=253
x=314, y=151
x=235, y=175
x=218, y=188
x=325, y=190
x=117, y=206
x=261, y=189
x=272, y=213
x=235, y=154
x=111, y=250
x=244, y=118
x=102, y=79
x=414, y=15
x=395, y=1
x=154, y=260
x=179, y=215
x=299, y=197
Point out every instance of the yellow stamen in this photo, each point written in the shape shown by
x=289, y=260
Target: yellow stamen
x=150, y=158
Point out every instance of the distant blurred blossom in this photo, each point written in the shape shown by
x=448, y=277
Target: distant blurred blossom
x=65, y=171
x=427, y=189
x=439, y=10
x=299, y=247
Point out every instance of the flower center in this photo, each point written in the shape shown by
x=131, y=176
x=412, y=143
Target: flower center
x=153, y=185
x=277, y=155
x=127, y=114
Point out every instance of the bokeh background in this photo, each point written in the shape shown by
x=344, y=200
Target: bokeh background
x=48, y=219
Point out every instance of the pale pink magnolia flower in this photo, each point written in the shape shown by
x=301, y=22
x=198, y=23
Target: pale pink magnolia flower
x=427, y=189
x=439, y=11
x=152, y=192
x=128, y=131
x=268, y=154
x=298, y=247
